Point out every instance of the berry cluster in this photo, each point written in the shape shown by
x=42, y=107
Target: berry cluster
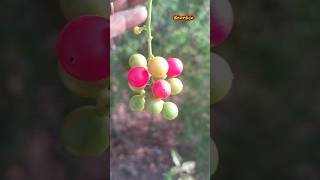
x=159, y=77
x=84, y=69
x=154, y=80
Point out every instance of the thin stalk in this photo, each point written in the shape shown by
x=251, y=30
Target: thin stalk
x=150, y=55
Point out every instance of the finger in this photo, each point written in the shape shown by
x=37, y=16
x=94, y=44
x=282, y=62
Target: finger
x=121, y=21
x=125, y=4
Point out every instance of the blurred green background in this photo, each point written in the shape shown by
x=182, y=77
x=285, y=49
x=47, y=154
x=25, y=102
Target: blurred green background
x=34, y=101
x=189, y=134
x=268, y=125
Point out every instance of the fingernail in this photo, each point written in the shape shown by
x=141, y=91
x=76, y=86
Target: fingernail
x=142, y=11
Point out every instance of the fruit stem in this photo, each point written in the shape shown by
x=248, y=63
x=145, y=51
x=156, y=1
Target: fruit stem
x=150, y=55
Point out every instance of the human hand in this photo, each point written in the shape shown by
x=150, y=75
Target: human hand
x=123, y=19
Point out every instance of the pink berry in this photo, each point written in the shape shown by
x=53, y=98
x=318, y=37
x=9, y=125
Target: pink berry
x=161, y=89
x=175, y=67
x=83, y=48
x=221, y=21
x=138, y=77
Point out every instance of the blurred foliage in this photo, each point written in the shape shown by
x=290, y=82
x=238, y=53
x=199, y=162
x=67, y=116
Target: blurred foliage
x=34, y=101
x=267, y=127
x=189, y=41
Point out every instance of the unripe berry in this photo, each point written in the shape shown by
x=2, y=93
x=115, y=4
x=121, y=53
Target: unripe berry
x=158, y=67
x=137, y=102
x=176, y=85
x=221, y=78
x=175, y=67
x=82, y=48
x=155, y=106
x=85, y=132
x=137, y=90
x=85, y=89
x=138, y=77
x=137, y=60
x=161, y=89
x=170, y=111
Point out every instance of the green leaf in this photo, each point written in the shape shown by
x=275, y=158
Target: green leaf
x=175, y=171
x=168, y=177
x=176, y=158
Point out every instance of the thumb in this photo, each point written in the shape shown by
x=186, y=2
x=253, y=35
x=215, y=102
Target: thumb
x=123, y=20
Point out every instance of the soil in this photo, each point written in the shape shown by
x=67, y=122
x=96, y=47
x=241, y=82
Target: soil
x=141, y=145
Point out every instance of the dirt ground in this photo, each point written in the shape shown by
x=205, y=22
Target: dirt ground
x=140, y=145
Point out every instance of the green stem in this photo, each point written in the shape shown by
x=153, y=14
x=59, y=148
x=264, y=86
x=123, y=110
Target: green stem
x=150, y=55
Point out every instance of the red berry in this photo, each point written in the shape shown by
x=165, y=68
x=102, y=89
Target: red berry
x=161, y=89
x=138, y=77
x=175, y=67
x=83, y=48
x=221, y=21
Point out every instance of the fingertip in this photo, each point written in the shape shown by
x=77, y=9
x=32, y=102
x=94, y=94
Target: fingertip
x=142, y=13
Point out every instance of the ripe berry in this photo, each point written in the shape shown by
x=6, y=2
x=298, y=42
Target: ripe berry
x=176, y=85
x=158, y=67
x=76, y=8
x=85, y=132
x=175, y=67
x=137, y=102
x=155, y=106
x=137, y=60
x=221, y=78
x=161, y=89
x=82, y=48
x=82, y=88
x=221, y=21
x=138, y=77
x=170, y=111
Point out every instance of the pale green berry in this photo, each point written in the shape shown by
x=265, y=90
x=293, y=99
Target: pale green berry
x=137, y=60
x=137, y=102
x=155, y=106
x=221, y=78
x=176, y=85
x=137, y=90
x=85, y=132
x=170, y=111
